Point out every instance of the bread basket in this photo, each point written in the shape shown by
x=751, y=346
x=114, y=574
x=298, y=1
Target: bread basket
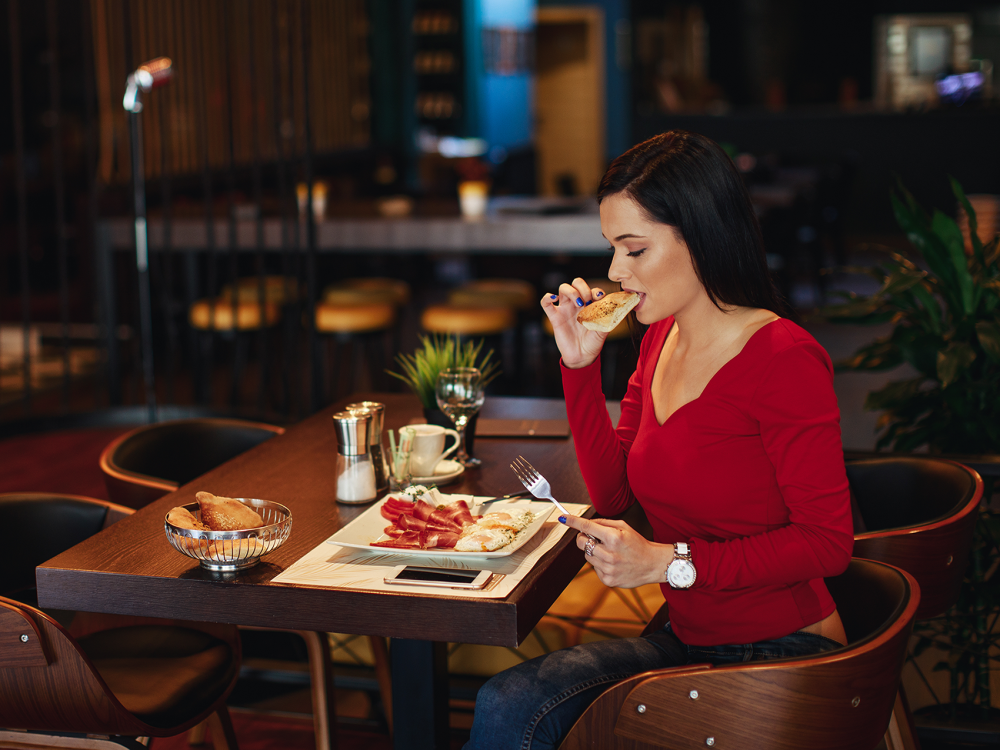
x=230, y=551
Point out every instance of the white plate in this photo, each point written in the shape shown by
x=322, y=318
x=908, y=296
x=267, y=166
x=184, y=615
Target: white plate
x=370, y=527
x=446, y=471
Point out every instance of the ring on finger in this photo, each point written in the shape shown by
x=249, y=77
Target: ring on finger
x=589, y=549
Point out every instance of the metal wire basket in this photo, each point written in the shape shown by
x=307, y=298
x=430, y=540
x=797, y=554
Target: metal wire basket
x=230, y=551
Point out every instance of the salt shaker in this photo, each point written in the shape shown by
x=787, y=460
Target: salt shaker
x=355, y=468
x=375, y=442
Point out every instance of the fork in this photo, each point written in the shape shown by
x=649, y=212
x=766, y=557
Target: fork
x=539, y=486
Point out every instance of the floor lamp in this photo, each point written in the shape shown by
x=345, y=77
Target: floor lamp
x=146, y=77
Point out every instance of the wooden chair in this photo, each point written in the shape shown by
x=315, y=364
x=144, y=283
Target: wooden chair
x=918, y=513
x=153, y=460
x=838, y=700
x=100, y=681
x=356, y=335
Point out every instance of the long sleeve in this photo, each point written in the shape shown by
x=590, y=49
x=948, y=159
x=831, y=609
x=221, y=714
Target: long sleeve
x=602, y=449
x=796, y=409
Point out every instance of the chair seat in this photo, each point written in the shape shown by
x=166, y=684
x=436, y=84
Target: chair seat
x=348, y=318
x=514, y=293
x=278, y=289
x=217, y=315
x=162, y=674
x=369, y=289
x=467, y=321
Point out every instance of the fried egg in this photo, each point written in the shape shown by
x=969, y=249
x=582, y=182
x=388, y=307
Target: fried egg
x=514, y=520
x=479, y=539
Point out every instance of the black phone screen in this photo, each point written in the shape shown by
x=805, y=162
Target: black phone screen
x=436, y=574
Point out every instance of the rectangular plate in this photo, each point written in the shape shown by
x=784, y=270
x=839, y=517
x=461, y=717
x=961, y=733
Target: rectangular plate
x=369, y=527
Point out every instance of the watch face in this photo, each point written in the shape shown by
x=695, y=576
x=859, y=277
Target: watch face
x=680, y=574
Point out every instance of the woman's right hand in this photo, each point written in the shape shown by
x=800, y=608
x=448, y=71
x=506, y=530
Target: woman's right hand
x=578, y=346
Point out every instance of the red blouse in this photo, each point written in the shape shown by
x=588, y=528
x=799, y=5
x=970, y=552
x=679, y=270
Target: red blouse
x=751, y=474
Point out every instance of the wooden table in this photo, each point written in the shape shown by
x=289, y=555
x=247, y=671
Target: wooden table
x=130, y=568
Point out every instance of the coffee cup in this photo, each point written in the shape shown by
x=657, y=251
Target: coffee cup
x=428, y=448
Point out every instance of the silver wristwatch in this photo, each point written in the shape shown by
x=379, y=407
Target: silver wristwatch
x=681, y=573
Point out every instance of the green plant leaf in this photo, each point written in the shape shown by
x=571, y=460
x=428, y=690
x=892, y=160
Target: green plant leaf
x=988, y=334
x=970, y=213
x=860, y=307
x=894, y=393
x=947, y=231
x=930, y=247
x=953, y=361
x=930, y=306
x=439, y=352
x=901, y=280
x=882, y=354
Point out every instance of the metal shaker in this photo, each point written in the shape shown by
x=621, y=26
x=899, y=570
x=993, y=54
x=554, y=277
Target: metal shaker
x=355, y=469
x=377, y=411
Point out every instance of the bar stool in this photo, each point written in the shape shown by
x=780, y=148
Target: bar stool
x=281, y=290
x=372, y=289
x=235, y=320
x=361, y=326
x=517, y=294
x=495, y=292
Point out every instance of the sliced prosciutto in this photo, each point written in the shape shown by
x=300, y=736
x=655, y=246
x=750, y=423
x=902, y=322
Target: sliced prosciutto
x=420, y=525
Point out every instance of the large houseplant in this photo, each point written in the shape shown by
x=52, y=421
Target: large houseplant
x=944, y=306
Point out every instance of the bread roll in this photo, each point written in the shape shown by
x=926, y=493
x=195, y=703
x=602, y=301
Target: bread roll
x=607, y=312
x=182, y=518
x=227, y=514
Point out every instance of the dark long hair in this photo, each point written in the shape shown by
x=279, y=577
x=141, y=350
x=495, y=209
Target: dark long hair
x=687, y=181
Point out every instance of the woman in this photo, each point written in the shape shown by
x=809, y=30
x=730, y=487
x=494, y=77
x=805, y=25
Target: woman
x=729, y=439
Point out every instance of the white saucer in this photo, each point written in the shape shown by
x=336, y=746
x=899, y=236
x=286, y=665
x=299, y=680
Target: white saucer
x=446, y=471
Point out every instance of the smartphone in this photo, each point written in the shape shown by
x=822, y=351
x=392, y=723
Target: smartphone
x=452, y=578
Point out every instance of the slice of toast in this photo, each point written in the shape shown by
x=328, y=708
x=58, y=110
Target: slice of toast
x=607, y=312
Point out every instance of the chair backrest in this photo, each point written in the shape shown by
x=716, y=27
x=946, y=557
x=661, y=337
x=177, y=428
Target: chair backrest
x=47, y=680
x=837, y=700
x=47, y=668
x=152, y=461
x=920, y=515
x=38, y=527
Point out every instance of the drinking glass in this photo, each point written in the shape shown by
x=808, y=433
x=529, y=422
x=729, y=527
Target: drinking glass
x=460, y=394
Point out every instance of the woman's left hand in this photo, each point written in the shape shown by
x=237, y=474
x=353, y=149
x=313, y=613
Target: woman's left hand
x=624, y=558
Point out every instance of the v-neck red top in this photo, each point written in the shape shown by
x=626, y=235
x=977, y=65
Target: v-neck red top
x=750, y=474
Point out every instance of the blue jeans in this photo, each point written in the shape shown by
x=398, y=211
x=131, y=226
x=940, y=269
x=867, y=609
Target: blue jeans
x=534, y=705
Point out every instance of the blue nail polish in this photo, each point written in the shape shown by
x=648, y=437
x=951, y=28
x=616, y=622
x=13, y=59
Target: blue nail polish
x=562, y=519
x=553, y=296
x=590, y=302
x=600, y=294
x=579, y=301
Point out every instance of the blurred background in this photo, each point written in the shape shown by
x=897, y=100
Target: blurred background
x=310, y=144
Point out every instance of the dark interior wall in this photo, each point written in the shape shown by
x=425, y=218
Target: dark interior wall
x=922, y=149
x=810, y=47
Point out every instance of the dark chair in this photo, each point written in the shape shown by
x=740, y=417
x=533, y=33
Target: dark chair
x=838, y=700
x=99, y=681
x=918, y=513
x=154, y=460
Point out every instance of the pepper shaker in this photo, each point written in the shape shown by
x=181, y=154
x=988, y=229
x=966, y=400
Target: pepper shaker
x=355, y=469
x=377, y=411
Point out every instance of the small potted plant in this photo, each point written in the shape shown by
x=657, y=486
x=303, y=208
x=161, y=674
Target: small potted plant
x=438, y=352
